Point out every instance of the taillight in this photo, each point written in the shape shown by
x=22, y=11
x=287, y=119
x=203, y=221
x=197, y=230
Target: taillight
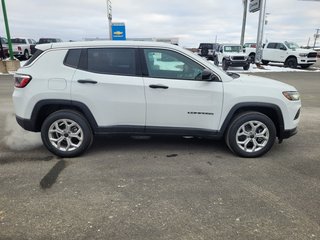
x=20, y=81
x=19, y=48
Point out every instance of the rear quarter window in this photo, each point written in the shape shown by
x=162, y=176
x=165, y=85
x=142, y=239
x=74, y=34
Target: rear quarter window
x=72, y=58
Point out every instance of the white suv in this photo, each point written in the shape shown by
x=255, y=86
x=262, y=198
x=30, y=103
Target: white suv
x=231, y=55
x=73, y=91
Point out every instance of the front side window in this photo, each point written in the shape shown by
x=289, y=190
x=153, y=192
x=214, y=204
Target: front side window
x=171, y=65
x=291, y=45
x=280, y=46
x=118, y=61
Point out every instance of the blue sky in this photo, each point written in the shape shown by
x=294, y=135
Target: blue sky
x=191, y=21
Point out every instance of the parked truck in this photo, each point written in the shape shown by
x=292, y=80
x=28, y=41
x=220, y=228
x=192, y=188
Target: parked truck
x=22, y=47
x=288, y=53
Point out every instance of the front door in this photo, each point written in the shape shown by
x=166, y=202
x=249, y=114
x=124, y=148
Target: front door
x=176, y=95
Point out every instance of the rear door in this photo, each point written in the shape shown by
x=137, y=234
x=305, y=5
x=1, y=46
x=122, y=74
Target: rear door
x=108, y=82
x=176, y=96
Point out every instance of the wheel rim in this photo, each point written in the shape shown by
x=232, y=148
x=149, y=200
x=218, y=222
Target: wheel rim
x=65, y=135
x=252, y=136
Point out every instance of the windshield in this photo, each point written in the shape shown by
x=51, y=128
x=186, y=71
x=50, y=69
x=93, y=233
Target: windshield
x=206, y=45
x=232, y=48
x=291, y=45
x=18, y=40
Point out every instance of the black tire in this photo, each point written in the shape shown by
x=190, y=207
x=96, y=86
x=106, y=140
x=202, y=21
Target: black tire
x=239, y=133
x=252, y=57
x=224, y=65
x=216, y=61
x=26, y=55
x=305, y=66
x=246, y=67
x=264, y=62
x=60, y=126
x=291, y=62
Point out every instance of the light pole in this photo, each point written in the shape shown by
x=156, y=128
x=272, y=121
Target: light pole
x=5, y=17
x=262, y=16
x=109, y=12
x=244, y=20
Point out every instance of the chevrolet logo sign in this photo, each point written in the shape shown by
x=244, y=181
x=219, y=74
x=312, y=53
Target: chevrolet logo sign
x=118, y=33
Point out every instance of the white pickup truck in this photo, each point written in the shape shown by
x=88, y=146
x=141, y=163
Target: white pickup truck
x=22, y=47
x=285, y=52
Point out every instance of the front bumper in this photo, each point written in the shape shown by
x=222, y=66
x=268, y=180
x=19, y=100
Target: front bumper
x=237, y=63
x=289, y=133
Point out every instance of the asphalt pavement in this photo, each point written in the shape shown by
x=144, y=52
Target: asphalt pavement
x=162, y=188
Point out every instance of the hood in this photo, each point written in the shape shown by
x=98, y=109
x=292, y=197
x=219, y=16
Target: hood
x=302, y=50
x=265, y=82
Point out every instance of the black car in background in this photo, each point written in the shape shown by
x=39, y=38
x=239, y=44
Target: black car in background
x=43, y=41
x=207, y=50
x=4, y=49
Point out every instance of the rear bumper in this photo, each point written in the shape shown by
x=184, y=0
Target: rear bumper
x=26, y=124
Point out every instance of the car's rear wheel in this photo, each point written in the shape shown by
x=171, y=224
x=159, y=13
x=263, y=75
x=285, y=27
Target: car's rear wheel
x=252, y=57
x=66, y=133
x=26, y=55
x=251, y=134
x=224, y=65
x=216, y=61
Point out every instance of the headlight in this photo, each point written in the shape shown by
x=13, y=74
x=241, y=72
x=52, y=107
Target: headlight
x=303, y=54
x=227, y=57
x=292, y=95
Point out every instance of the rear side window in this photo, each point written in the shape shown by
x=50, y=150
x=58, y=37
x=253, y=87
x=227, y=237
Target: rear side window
x=272, y=45
x=72, y=58
x=34, y=57
x=116, y=61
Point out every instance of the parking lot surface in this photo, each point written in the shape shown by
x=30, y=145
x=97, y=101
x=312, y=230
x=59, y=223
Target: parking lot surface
x=162, y=188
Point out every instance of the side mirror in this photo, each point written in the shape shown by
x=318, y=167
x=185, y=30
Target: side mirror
x=207, y=75
x=283, y=48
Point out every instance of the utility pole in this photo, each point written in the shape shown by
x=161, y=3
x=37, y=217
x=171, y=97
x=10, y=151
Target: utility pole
x=109, y=12
x=316, y=37
x=262, y=16
x=5, y=17
x=244, y=21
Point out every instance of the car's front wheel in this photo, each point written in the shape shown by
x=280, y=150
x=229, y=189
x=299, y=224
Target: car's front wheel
x=66, y=133
x=291, y=62
x=251, y=134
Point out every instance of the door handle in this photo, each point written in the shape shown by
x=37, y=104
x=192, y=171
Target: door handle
x=87, y=81
x=158, y=86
